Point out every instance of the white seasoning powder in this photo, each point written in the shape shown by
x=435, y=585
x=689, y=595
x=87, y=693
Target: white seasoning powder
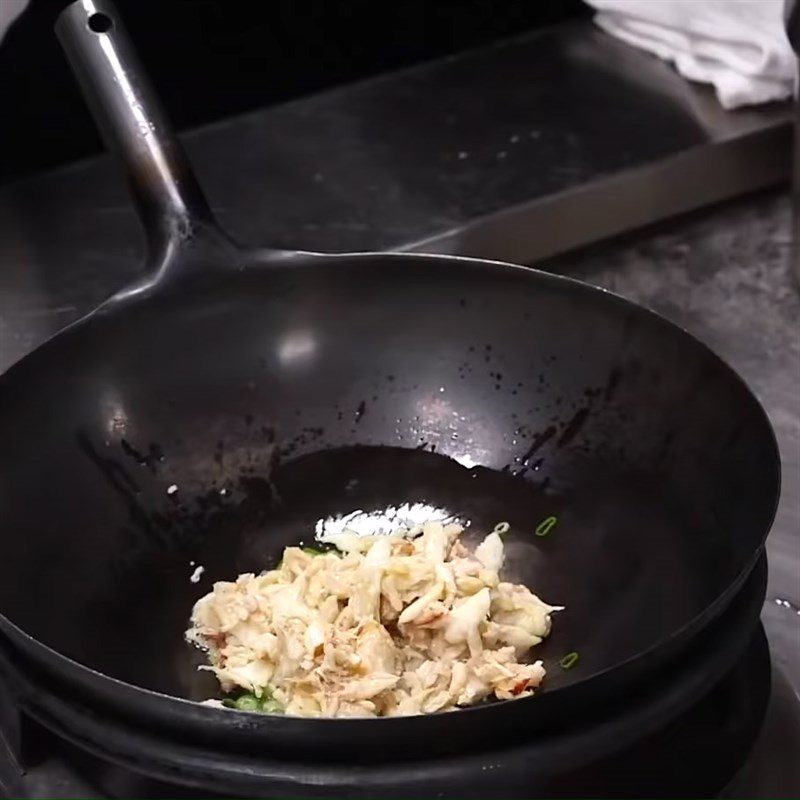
x=384, y=521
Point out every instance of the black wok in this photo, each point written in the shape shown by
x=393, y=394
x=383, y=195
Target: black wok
x=210, y=414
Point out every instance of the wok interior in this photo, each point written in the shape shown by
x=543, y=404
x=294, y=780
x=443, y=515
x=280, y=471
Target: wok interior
x=271, y=398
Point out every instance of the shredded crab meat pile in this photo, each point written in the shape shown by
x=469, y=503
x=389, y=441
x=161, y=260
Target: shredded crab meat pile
x=408, y=623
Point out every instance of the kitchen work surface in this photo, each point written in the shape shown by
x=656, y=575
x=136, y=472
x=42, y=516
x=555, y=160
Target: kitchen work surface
x=514, y=152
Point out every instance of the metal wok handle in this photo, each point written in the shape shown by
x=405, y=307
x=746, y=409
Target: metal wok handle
x=177, y=219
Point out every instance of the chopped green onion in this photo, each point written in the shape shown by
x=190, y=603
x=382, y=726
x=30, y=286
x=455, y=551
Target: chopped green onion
x=271, y=706
x=259, y=701
x=569, y=660
x=501, y=528
x=545, y=526
x=314, y=551
x=248, y=702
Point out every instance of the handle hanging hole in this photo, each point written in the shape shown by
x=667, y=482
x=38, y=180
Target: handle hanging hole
x=100, y=23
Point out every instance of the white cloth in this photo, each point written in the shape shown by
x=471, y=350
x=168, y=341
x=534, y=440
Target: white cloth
x=9, y=11
x=739, y=46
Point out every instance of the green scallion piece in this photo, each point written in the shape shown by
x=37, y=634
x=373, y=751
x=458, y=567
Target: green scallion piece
x=271, y=706
x=248, y=702
x=545, y=526
x=314, y=551
x=569, y=660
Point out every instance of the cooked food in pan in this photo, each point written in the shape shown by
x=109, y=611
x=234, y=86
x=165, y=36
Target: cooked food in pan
x=411, y=622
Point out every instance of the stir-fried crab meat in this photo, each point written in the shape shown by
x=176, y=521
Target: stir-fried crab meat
x=383, y=626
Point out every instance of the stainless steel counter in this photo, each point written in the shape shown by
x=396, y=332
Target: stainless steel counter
x=514, y=152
